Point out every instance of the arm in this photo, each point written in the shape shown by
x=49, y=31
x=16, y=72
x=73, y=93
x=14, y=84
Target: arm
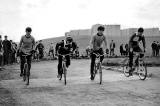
x=56, y=48
x=144, y=43
x=74, y=45
x=130, y=41
x=20, y=44
x=91, y=42
x=105, y=42
x=34, y=44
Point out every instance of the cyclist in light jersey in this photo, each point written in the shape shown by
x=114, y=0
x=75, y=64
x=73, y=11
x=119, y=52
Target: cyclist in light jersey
x=96, y=45
x=26, y=46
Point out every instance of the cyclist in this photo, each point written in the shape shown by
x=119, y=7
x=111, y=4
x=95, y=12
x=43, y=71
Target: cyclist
x=134, y=46
x=66, y=46
x=96, y=45
x=26, y=46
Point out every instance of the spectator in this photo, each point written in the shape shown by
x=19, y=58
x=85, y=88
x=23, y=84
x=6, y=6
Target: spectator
x=14, y=49
x=157, y=48
x=11, y=53
x=107, y=52
x=51, y=51
x=77, y=52
x=126, y=49
x=40, y=48
x=112, y=46
x=121, y=50
x=154, y=48
x=7, y=50
x=1, y=52
x=88, y=51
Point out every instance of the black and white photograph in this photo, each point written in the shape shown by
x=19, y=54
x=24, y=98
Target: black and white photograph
x=79, y=53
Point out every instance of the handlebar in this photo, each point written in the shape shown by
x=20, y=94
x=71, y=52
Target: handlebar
x=98, y=55
x=64, y=54
x=25, y=55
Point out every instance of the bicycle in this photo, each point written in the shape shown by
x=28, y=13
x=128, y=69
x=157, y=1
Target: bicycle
x=140, y=67
x=64, y=68
x=98, y=67
x=26, y=73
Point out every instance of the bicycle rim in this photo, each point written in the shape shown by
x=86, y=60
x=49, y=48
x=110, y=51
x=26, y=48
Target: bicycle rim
x=100, y=73
x=142, y=72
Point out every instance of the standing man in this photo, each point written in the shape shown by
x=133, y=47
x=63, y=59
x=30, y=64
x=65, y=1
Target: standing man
x=112, y=46
x=96, y=45
x=40, y=48
x=127, y=49
x=26, y=46
x=7, y=50
x=121, y=50
x=153, y=48
x=77, y=52
x=157, y=49
x=1, y=52
x=88, y=51
x=51, y=51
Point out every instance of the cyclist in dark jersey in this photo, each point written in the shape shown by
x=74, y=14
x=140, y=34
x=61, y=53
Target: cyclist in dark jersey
x=65, y=47
x=96, y=45
x=134, y=46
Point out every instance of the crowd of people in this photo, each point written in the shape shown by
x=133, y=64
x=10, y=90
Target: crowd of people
x=8, y=50
x=155, y=48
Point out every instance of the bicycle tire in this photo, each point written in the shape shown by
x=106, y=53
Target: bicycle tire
x=100, y=72
x=126, y=70
x=24, y=73
x=142, y=67
x=65, y=72
x=27, y=74
x=94, y=71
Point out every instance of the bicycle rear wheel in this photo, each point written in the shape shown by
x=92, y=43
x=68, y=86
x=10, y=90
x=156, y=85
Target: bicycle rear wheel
x=100, y=72
x=142, y=71
x=65, y=72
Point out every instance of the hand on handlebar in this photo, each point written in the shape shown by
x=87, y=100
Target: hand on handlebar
x=131, y=49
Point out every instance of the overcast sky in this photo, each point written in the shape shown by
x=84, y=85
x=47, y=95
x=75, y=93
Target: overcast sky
x=51, y=18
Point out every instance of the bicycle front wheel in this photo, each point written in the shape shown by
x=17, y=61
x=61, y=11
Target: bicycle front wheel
x=126, y=69
x=95, y=70
x=65, y=72
x=100, y=72
x=27, y=74
x=142, y=71
x=24, y=72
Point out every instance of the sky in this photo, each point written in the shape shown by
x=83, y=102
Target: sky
x=52, y=18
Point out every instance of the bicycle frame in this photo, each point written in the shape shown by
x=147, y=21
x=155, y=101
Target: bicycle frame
x=98, y=56
x=98, y=66
x=64, y=66
x=26, y=73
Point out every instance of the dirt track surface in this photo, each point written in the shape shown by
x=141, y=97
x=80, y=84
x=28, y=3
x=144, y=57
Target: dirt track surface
x=46, y=90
